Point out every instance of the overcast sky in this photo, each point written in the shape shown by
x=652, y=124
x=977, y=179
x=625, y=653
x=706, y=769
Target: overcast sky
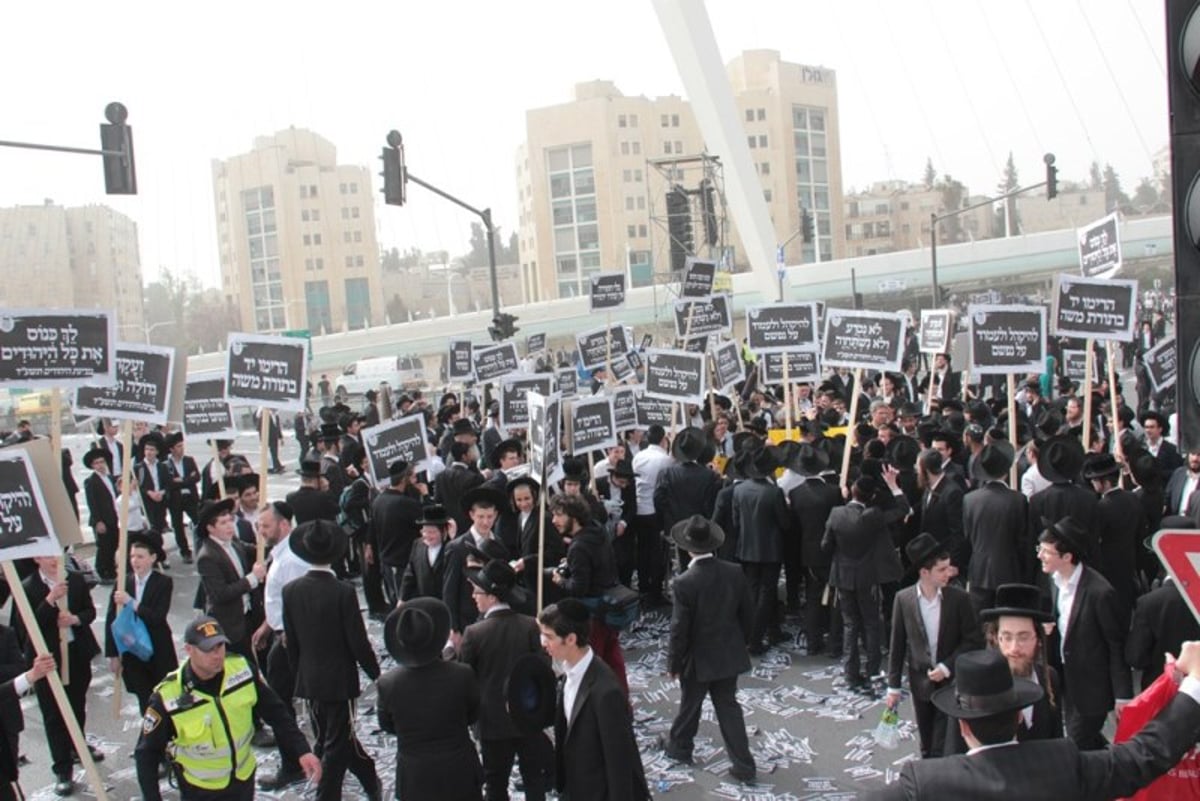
x=960, y=81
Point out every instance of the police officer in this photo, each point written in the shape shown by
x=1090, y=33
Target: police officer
x=206, y=708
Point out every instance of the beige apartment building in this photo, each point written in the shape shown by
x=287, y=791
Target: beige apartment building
x=593, y=175
x=296, y=236
x=895, y=215
x=84, y=257
x=1070, y=209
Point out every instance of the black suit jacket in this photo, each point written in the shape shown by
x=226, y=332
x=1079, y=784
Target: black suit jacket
x=326, y=637
x=224, y=585
x=854, y=535
x=1061, y=500
x=1176, y=503
x=393, y=528
x=958, y=632
x=12, y=664
x=1054, y=770
x=1094, y=671
x=185, y=482
x=422, y=580
x=491, y=646
x=449, y=487
x=104, y=445
x=942, y=516
x=811, y=503
x=597, y=756
x=456, y=589
x=79, y=603
x=710, y=622
x=310, y=503
x=101, y=507
x=1169, y=460
x=995, y=523
x=1161, y=622
x=760, y=521
x=152, y=610
x=1121, y=527
x=684, y=490
x=156, y=511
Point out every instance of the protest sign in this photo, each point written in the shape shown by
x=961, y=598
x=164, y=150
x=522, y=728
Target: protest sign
x=803, y=366
x=625, y=408
x=267, y=371
x=514, y=410
x=535, y=344
x=146, y=389
x=675, y=375
x=867, y=339
x=697, y=344
x=1094, y=308
x=459, y=366
x=696, y=316
x=595, y=349
x=1007, y=339
x=937, y=327
x=567, y=381
x=728, y=367
x=607, y=292
x=1160, y=363
x=404, y=438
x=1100, y=248
x=653, y=411
x=56, y=348
x=206, y=413
x=25, y=527
x=496, y=361
x=592, y=425
x=698, y=275
x=1074, y=364
x=781, y=326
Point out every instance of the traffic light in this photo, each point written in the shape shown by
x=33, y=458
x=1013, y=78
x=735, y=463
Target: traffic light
x=806, y=225
x=679, y=227
x=120, y=177
x=1183, y=90
x=708, y=205
x=393, y=177
x=504, y=326
x=1051, y=177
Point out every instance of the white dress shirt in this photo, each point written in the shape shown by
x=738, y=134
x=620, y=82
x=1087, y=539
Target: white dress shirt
x=647, y=466
x=432, y=554
x=931, y=619
x=1067, y=589
x=574, y=679
x=285, y=567
x=228, y=548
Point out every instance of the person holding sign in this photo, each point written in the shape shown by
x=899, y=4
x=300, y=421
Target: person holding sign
x=45, y=589
x=149, y=592
x=942, y=383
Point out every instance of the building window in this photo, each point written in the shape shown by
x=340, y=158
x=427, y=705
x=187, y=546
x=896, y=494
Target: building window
x=752, y=141
x=637, y=176
x=762, y=140
x=345, y=212
x=903, y=205
x=767, y=195
x=633, y=121
x=626, y=176
x=749, y=115
x=631, y=231
x=303, y=190
x=316, y=239
x=316, y=302
x=358, y=261
x=266, y=281
x=320, y=263
x=674, y=120
x=349, y=261
x=762, y=114
x=666, y=120
x=765, y=168
x=304, y=215
x=629, y=204
x=641, y=203
x=624, y=148
x=642, y=231
x=342, y=188
x=576, y=232
x=346, y=236
x=353, y=188
x=812, y=177
x=667, y=147
x=312, y=190
x=309, y=264
x=307, y=240
x=316, y=215
x=358, y=236
x=620, y=120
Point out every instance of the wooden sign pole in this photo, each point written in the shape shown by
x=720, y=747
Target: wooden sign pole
x=56, y=684
x=541, y=551
x=1012, y=427
x=56, y=448
x=123, y=533
x=850, y=428
x=260, y=544
x=220, y=468
x=787, y=398
x=1088, y=372
x=1117, y=450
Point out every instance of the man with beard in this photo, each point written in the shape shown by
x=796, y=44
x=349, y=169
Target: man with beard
x=1014, y=628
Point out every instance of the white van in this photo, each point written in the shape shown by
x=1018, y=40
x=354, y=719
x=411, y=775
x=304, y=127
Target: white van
x=398, y=372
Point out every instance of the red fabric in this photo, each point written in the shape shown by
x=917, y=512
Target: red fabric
x=1180, y=783
x=606, y=642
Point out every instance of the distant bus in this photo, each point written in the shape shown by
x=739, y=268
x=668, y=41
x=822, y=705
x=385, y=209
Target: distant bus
x=33, y=403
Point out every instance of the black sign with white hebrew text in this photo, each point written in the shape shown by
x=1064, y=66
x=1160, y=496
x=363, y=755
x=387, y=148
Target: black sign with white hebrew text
x=267, y=371
x=607, y=292
x=460, y=366
x=496, y=362
x=802, y=367
x=56, y=348
x=514, y=410
x=1007, y=339
x=396, y=439
x=593, y=425
x=1094, y=308
x=871, y=340
x=206, y=413
x=697, y=316
x=143, y=387
x=1161, y=363
x=781, y=326
x=698, y=278
x=675, y=375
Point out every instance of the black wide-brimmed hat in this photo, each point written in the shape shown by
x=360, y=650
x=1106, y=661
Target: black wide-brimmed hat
x=1144, y=469
x=688, y=445
x=530, y=693
x=433, y=515
x=1099, y=466
x=921, y=547
x=94, y=454
x=1158, y=417
x=416, y=632
x=807, y=459
x=575, y=469
x=903, y=451
x=994, y=461
x=173, y=439
x=398, y=468
x=909, y=409
x=983, y=686
x=1070, y=533
x=463, y=425
x=522, y=481
x=623, y=469
x=495, y=578
x=1018, y=600
x=154, y=438
x=210, y=511
x=502, y=447
x=310, y=468
x=319, y=542
x=147, y=542
x=330, y=432
x=483, y=494
x=697, y=534
x=1060, y=459
x=760, y=462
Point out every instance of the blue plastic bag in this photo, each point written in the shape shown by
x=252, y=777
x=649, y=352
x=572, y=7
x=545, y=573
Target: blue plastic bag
x=131, y=635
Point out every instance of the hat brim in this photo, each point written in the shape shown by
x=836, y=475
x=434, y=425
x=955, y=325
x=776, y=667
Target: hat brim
x=423, y=653
x=714, y=540
x=1069, y=468
x=303, y=549
x=997, y=612
x=1023, y=694
x=530, y=694
x=211, y=513
x=209, y=643
x=483, y=493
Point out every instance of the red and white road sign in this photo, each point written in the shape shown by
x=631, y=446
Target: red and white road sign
x=1179, y=551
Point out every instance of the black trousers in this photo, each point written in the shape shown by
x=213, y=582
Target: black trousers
x=729, y=718
x=860, y=613
x=236, y=791
x=793, y=568
x=651, y=555
x=179, y=506
x=931, y=728
x=57, y=736
x=333, y=729
x=106, y=554
x=498, y=758
x=1084, y=729
x=763, y=578
x=625, y=551
x=391, y=576
x=819, y=615
x=372, y=573
x=981, y=599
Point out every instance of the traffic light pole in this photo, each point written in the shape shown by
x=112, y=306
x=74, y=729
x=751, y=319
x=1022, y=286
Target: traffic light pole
x=486, y=216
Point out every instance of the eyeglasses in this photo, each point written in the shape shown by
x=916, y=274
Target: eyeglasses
x=1008, y=638
x=1043, y=548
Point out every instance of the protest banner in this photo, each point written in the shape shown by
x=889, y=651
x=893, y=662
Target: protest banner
x=403, y=438
x=535, y=344
x=781, y=326
x=863, y=339
x=801, y=367
x=567, y=381
x=1161, y=363
x=728, y=367
x=598, y=346
x=1092, y=308
x=696, y=316
x=1074, y=364
x=57, y=348
x=625, y=408
x=1007, y=339
x=698, y=276
x=937, y=328
x=606, y=292
x=460, y=366
x=514, y=410
x=675, y=375
x=592, y=425
x=1100, y=248
x=148, y=387
x=267, y=371
x=653, y=411
x=495, y=362
x=206, y=413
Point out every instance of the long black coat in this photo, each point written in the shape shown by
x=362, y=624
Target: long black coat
x=996, y=525
x=422, y=580
x=710, y=622
x=760, y=521
x=810, y=503
x=854, y=536
x=1121, y=527
x=491, y=646
x=683, y=490
x=101, y=506
x=429, y=709
x=310, y=503
x=1094, y=670
x=394, y=528
x=326, y=637
x=449, y=487
x=596, y=754
x=942, y=516
x=1161, y=622
x=1062, y=500
x=152, y=610
x=12, y=664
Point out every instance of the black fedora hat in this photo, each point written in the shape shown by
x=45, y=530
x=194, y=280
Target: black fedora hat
x=310, y=468
x=210, y=511
x=994, y=461
x=173, y=439
x=463, y=425
x=530, y=693
x=154, y=438
x=1060, y=459
x=575, y=469
x=1071, y=534
x=416, y=632
x=1158, y=417
x=483, y=494
x=1099, y=466
x=522, y=481
x=807, y=459
x=147, y=542
x=330, y=432
x=909, y=409
x=983, y=686
x=433, y=515
x=903, y=451
x=697, y=534
x=1018, y=600
x=921, y=547
x=318, y=542
x=503, y=447
x=1047, y=425
x=1144, y=469
x=688, y=445
x=94, y=454
x=760, y=462
x=495, y=578
x=623, y=469
x=399, y=468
